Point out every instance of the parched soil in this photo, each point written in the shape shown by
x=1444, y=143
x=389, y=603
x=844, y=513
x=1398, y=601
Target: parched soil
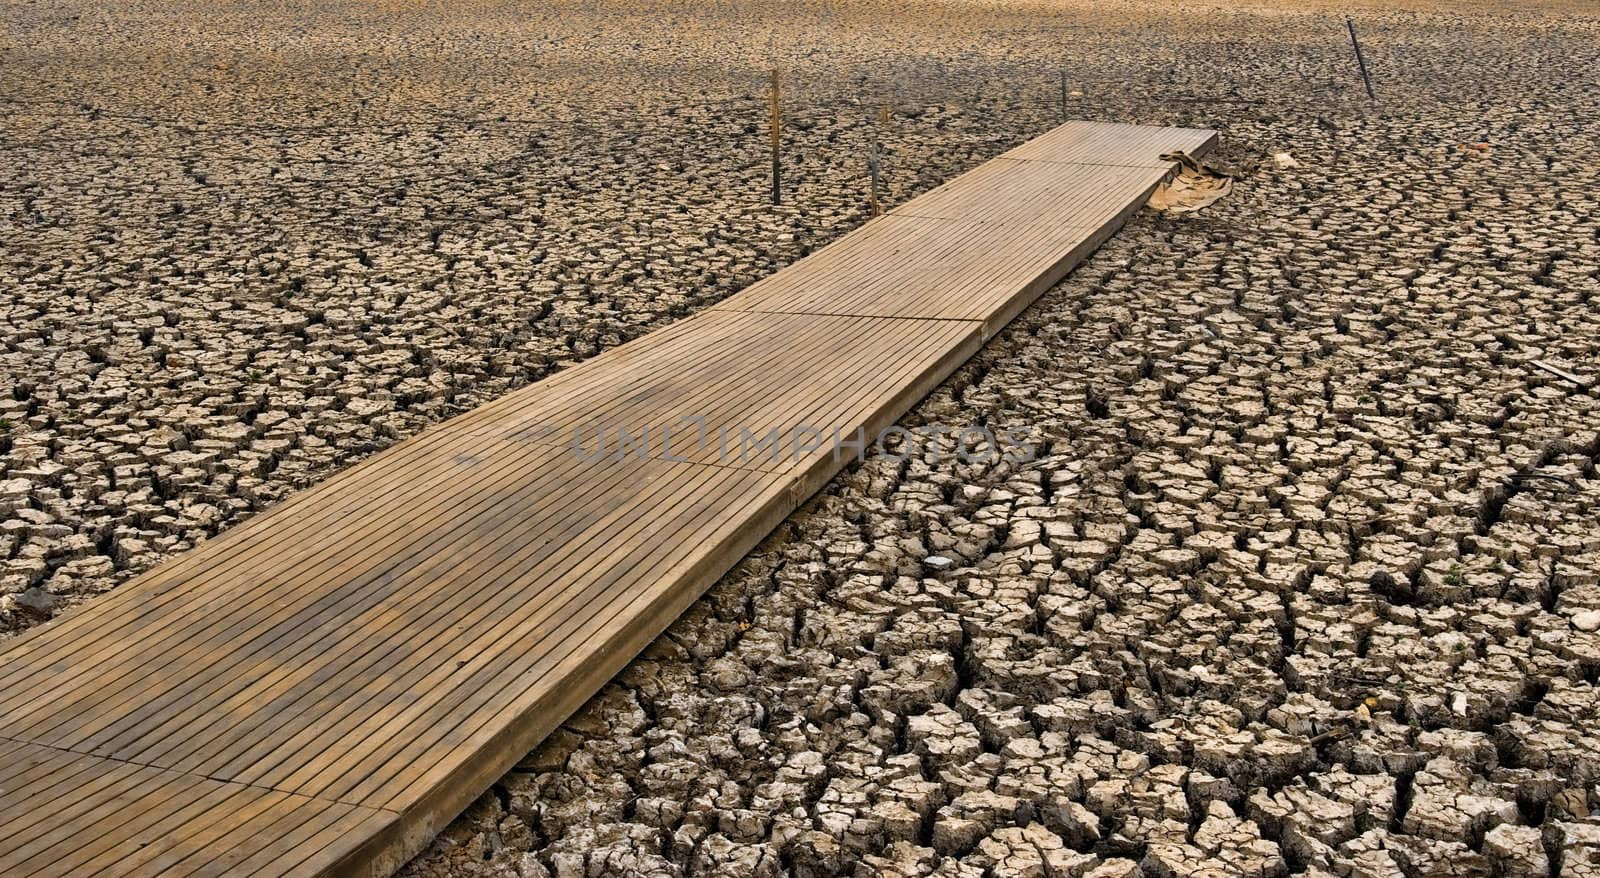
x=1305, y=577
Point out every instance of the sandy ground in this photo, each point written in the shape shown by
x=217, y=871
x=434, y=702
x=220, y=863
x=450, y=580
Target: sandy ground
x=1305, y=581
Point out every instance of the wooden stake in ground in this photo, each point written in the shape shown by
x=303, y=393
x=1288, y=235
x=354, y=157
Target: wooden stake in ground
x=1360, y=62
x=777, y=128
x=873, y=172
x=1063, y=94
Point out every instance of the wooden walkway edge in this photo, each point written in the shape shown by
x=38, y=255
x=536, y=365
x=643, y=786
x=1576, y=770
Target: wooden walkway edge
x=319, y=690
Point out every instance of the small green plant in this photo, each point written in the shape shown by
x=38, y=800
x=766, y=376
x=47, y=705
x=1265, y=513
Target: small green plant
x=1453, y=578
x=4, y=425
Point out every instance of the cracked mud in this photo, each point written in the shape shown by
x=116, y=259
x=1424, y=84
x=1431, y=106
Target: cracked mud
x=1305, y=578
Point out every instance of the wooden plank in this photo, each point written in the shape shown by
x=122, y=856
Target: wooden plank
x=322, y=688
x=1111, y=143
x=115, y=818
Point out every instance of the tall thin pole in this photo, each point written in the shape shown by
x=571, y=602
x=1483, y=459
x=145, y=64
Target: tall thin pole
x=1063, y=94
x=873, y=172
x=777, y=137
x=1360, y=62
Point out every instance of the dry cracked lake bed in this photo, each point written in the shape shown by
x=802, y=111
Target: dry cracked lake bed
x=1303, y=577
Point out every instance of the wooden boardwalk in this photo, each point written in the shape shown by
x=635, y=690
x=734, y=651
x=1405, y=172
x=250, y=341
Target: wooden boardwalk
x=323, y=687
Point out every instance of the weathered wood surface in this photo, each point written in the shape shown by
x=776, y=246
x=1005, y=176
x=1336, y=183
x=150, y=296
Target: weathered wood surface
x=323, y=687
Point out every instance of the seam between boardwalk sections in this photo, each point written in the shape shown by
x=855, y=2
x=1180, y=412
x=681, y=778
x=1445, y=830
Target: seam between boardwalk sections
x=348, y=670
x=136, y=764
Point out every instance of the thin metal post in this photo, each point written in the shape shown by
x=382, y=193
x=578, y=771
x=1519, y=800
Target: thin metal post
x=777, y=139
x=873, y=171
x=1360, y=62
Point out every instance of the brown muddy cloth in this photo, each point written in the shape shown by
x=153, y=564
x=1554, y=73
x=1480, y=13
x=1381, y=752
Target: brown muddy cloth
x=1193, y=187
